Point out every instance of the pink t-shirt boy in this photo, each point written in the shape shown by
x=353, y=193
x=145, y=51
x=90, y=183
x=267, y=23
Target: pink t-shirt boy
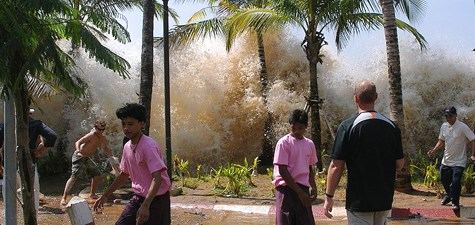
x=298, y=155
x=140, y=165
x=294, y=158
x=143, y=164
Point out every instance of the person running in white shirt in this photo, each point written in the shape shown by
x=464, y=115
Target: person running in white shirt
x=455, y=136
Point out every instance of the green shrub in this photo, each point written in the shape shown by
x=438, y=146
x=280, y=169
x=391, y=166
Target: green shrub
x=238, y=177
x=468, y=179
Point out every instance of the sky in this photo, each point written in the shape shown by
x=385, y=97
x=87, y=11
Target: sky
x=446, y=24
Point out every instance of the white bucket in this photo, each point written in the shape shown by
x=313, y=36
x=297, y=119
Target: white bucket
x=79, y=212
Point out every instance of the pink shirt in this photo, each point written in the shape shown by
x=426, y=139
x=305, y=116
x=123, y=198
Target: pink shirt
x=297, y=155
x=141, y=164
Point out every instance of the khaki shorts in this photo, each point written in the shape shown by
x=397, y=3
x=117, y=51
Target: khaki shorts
x=367, y=218
x=83, y=167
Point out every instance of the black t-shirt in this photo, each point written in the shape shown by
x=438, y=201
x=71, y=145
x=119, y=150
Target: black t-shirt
x=370, y=144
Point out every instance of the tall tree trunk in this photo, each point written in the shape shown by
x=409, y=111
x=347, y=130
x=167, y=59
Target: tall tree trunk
x=24, y=157
x=312, y=50
x=268, y=139
x=146, y=69
x=25, y=162
x=403, y=178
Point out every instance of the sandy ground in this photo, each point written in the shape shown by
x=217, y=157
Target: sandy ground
x=52, y=214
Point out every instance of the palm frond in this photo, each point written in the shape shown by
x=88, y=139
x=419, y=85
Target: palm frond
x=254, y=19
x=38, y=89
x=412, y=9
x=351, y=24
x=171, y=12
x=421, y=40
x=108, y=25
x=102, y=54
x=49, y=63
x=185, y=34
x=296, y=10
x=203, y=13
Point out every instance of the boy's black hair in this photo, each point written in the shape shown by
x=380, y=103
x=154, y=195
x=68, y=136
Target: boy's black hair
x=298, y=116
x=132, y=110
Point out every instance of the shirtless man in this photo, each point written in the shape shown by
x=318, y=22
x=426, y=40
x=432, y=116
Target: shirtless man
x=82, y=165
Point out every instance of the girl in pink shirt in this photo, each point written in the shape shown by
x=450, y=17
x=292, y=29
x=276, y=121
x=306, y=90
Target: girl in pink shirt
x=294, y=158
x=143, y=164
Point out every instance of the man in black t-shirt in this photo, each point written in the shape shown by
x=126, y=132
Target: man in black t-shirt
x=370, y=146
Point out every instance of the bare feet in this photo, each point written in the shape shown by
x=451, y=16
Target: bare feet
x=64, y=202
x=43, y=201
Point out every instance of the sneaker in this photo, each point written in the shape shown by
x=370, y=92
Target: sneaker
x=446, y=200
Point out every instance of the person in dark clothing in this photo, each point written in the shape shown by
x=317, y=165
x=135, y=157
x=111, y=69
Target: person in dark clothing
x=370, y=146
x=41, y=137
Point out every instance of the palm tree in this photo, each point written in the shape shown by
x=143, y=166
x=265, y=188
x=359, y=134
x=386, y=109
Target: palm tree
x=198, y=27
x=146, y=68
x=345, y=17
x=30, y=31
x=88, y=22
x=28, y=44
x=394, y=76
x=150, y=8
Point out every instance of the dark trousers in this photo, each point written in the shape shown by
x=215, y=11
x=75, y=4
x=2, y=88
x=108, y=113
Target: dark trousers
x=289, y=210
x=159, y=211
x=451, y=176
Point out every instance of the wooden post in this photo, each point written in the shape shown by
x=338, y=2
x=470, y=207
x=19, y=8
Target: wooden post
x=10, y=164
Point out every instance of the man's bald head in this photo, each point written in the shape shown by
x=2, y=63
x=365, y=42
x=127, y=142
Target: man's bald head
x=365, y=92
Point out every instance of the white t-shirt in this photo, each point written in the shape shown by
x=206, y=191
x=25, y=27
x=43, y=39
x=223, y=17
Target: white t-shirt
x=456, y=138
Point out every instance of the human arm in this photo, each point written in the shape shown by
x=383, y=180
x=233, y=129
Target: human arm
x=472, y=144
x=313, y=185
x=118, y=182
x=48, y=135
x=440, y=144
x=85, y=139
x=290, y=182
x=144, y=211
x=335, y=172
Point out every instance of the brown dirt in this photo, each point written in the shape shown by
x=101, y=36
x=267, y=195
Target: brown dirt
x=52, y=214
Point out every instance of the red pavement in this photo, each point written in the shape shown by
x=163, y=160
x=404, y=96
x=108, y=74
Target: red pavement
x=405, y=213
x=396, y=213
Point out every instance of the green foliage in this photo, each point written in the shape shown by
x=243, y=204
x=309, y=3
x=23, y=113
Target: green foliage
x=468, y=179
x=217, y=174
x=347, y=18
x=191, y=183
x=321, y=182
x=239, y=178
x=431, y=175
x=270, y=173
x=182, y=167
x=249, y=169
x=199, y=171
x=54, y=164
x=420, y=161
